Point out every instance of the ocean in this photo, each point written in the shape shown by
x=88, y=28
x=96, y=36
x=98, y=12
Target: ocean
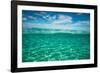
x=38, y=47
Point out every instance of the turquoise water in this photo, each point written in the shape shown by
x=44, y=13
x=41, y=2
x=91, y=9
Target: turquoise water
x=55, y=47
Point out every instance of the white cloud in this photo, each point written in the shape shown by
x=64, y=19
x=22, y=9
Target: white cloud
x=41, y=14
x=63, y=19
x=45, y=16
x=28, y=17
x=31, y=17
x=82, y=23
x=52, y=17
x=24, y=18
x=47, y=26
x=49, y=18
x=79, y=13
x=60, y=18
x=78, y=26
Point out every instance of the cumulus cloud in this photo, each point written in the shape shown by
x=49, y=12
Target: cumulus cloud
x=31, y=17
x=82, y=23
x=45, y=16
x=47, y=26
x=79, y=13
x=50, y=18
x=42, y=13
x=24, y=18
x=28, y=18
x=63, y=19
x=55, y=21
x=78, y=26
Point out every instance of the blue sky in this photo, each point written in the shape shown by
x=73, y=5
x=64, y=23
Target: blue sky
x=56, y=20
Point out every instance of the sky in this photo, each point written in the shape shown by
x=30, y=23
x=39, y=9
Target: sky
x=56, y=20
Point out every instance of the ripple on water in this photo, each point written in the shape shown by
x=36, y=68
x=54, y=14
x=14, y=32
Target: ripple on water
x=55, y=47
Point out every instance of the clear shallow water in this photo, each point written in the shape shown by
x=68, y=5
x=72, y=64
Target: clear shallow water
x=55, y=47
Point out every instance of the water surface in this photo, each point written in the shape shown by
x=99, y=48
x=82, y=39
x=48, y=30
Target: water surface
x=38, y=47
